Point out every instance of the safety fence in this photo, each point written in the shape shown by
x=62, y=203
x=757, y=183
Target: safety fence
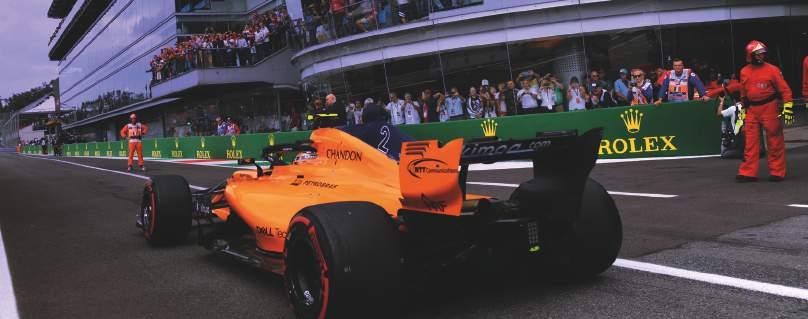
x=682, y=129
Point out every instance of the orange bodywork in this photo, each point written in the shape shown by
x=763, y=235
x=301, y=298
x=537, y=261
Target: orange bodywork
x=344, y=169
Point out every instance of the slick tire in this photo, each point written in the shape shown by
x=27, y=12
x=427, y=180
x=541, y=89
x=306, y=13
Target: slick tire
x=589, y=245
x=343, y=260
x=166, y=210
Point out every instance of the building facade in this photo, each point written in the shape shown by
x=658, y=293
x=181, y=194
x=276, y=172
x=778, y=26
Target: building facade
x=371, y=48
x=497, y=40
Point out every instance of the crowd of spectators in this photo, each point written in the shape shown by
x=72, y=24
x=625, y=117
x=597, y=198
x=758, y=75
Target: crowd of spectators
x=529, y=93
x=324, y=20
x=262, y=35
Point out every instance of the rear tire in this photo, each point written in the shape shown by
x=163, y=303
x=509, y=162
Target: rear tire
x=585, y=247
x=166, y=210
x=343, y=260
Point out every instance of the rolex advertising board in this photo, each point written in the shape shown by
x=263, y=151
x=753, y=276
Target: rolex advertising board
x=678, y=129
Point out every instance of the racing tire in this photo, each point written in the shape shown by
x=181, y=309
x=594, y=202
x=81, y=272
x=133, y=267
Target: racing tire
x=587, y=246
x=343, y=260
x=166, y=210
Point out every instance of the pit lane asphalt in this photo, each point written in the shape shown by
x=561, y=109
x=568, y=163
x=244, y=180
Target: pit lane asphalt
x=74, y=252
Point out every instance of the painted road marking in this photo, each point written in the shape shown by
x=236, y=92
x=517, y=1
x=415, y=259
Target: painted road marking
x=798, y=205
x=108, y=170
x=721, y=280
x=651, y=195
x=772, y=289
x=8, y=302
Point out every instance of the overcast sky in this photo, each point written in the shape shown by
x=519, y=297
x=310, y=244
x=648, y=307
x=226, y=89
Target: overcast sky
x=24, y=32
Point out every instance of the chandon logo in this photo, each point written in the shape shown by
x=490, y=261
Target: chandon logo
x=429, y=166
x=344, y=155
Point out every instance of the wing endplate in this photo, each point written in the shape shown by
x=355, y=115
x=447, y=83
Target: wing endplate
x=429, y=177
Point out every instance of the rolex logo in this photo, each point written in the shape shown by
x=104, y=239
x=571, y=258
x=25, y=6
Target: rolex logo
x=202, y=142
x=121, y=145
x=632, y=118
x=233, y=141
x=176, y=142
x=271, y=139
x=489, y=127
x=155, y=143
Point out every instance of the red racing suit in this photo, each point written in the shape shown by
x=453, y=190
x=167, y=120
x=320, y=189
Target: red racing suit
x=805, y=78
x=763, y=89
x=134, y=132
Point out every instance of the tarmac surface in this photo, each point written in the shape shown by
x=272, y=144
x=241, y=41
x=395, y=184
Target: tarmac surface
x=73, y=250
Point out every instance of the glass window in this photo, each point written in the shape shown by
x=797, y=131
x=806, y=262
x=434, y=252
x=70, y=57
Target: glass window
x=704, y=48
x=366, y=82
x=772, y=32
x=470, y=67
x=413, y=75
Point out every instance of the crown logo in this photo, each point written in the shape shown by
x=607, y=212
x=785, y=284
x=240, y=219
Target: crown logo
x=176, y=143
x=632, y=119
x=86, y=146
x=489, y=127
x=271, y=139
x=202, y=142
x=109, y=145
x=233, y=141
x=121, y=146
x=96, y=146
x=155, y=143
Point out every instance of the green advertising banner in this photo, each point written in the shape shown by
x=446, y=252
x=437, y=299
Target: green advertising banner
x=679, y=129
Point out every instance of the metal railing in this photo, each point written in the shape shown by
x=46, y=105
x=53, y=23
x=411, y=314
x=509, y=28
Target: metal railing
x=320, y=25
x=208, y=58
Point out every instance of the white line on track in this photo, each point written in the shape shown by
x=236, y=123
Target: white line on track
x=751, y=285
x=106, y=170
x=772, y=289
x=8, y=303
x=610, y=192
x=798, y=205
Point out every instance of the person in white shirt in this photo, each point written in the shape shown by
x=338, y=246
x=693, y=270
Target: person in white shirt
x=474, y=107
x=547, y=95
x=411, y=113
x=242, y=46
x=528, y=97
x=395, y=108
x=576, y=96
x=453, y=104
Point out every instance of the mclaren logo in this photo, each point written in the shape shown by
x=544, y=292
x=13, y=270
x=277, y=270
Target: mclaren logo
x=489, y=127
x=632, y=119
x=422, y=166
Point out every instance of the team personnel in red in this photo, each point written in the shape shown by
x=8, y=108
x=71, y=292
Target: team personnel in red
x=762, y=90
x=134, y=131
x=805, y=78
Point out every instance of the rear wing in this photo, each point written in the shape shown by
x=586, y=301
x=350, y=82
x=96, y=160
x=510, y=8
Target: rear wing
x=431, y=182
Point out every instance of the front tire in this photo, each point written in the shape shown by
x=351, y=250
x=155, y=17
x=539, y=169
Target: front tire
x=343, y=260
x=165, y=213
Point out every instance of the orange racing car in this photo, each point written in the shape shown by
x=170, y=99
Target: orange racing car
x=347, y=223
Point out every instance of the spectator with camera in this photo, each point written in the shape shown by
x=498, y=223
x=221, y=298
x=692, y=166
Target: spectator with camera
x=641, y=91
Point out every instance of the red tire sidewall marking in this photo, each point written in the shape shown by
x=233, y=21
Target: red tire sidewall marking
x=312, y=233
x=149, y=232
